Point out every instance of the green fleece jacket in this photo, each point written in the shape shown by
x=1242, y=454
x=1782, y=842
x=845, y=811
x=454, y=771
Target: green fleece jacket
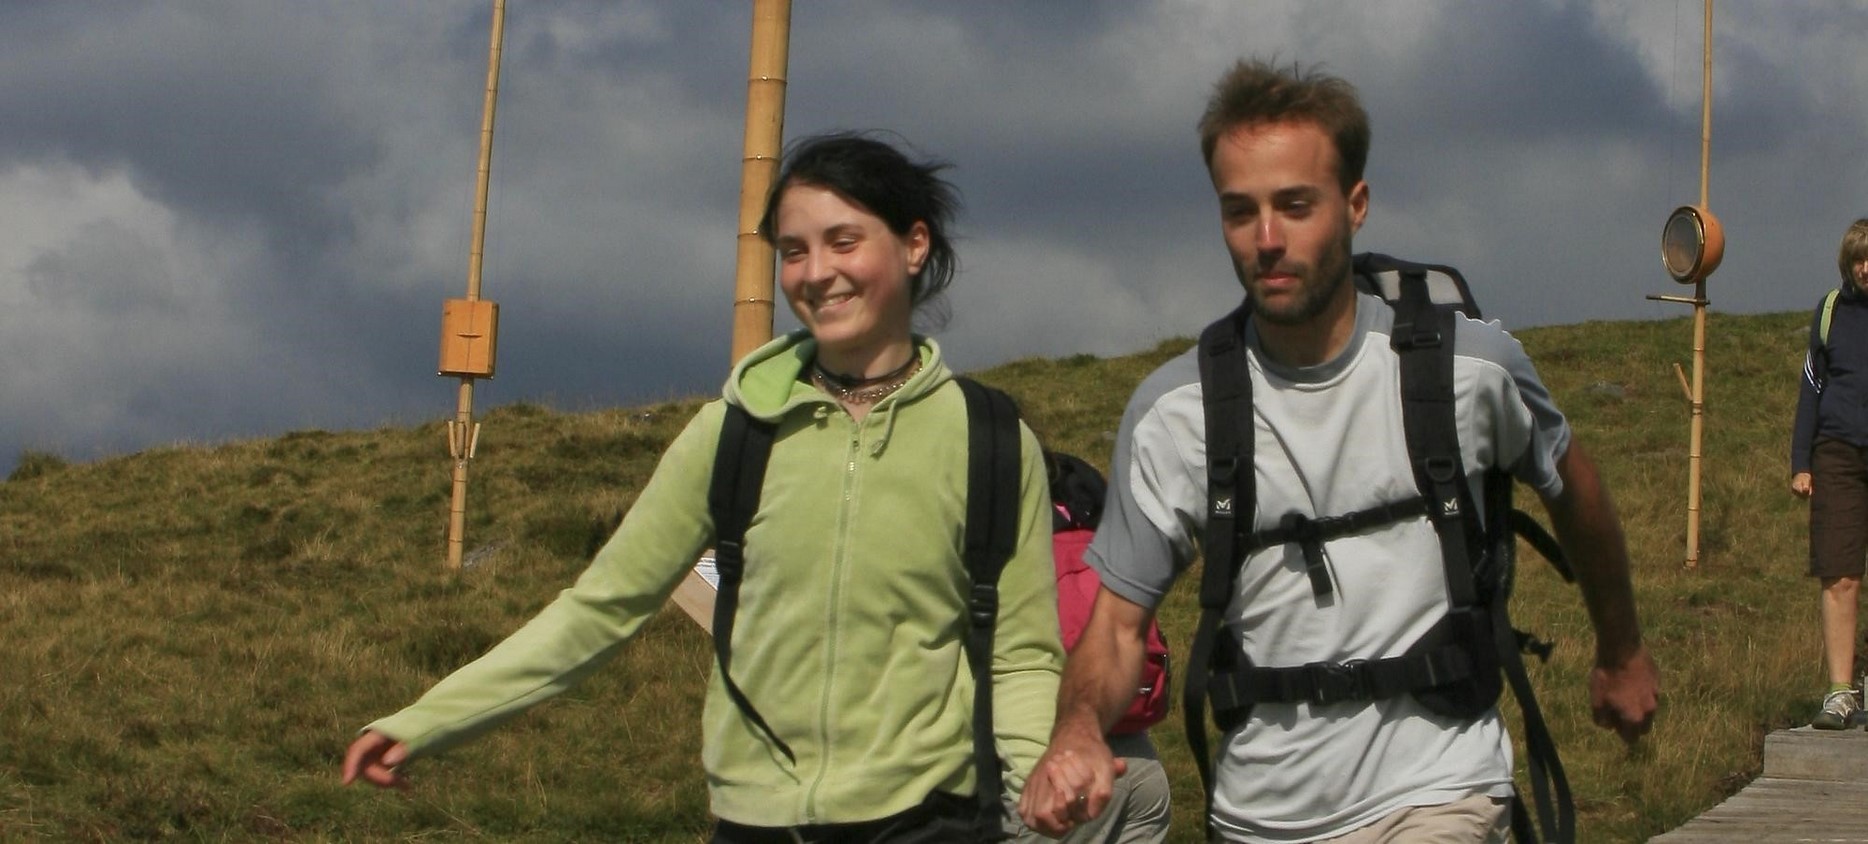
x=849, y=634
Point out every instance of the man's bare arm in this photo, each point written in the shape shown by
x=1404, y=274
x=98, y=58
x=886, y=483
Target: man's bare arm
x=1624, y=687
x=1075, y=779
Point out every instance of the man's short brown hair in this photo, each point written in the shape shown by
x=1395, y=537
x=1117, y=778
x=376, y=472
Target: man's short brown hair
x=1256, y=93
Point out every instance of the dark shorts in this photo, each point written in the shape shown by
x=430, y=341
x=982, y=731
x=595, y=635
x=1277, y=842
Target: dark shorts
x=941, y=819
x=1838, y=509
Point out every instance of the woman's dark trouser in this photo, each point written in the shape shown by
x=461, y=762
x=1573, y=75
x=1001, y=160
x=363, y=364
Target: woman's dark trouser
x=940, y=819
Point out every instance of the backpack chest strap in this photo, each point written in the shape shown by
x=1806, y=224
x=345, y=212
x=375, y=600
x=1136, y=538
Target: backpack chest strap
x=1310, y=534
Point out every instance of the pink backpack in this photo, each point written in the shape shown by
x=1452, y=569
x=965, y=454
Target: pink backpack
x=1077, y=495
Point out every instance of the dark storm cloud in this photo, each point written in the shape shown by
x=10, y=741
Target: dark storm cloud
x=223, y=219
x=235, y=118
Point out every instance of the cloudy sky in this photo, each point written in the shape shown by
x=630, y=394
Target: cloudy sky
x=222, y=219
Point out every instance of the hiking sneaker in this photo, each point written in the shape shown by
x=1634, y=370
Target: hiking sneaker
x=1839, y=712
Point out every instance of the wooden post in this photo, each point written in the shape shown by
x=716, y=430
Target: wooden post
x=752, y=286
x=1697, y=431
x=463, y=432
x=1696, y=437
x=765, y=129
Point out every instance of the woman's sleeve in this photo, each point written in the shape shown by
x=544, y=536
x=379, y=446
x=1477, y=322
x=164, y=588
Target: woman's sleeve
x=1027, y=654
x=1809, y=398
x=630, y=578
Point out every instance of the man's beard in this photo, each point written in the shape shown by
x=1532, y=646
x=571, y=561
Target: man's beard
x=1313, y=296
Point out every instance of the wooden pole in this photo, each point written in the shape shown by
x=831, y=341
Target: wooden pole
x=463, y=432
x=765, y=129
x=1697, y=436
x=752, y=285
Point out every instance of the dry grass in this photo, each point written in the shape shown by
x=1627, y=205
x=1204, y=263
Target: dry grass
x=193, y=633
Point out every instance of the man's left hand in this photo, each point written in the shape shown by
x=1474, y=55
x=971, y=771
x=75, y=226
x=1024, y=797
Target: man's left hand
x=1624, y=696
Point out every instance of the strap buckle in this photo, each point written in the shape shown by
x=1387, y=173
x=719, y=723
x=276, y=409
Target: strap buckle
x=1308, y=530
x=1222, y=470
x=983, y=605
x=1530, y=645
x=1423, y=332
x=729, y=557
x=1441, y=469
x=1335, y=682
x=1309, y=534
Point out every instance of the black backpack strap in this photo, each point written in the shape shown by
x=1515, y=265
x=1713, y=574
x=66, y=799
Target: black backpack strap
x=1423, y=340
x=1226, y=388
x=1550, y=786
x=1310, y=534
x=1325, y=683
x=732, y=498
x=994, y=466
x=1540, y=540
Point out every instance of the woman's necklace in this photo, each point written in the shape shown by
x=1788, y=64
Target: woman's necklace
x=864, y=390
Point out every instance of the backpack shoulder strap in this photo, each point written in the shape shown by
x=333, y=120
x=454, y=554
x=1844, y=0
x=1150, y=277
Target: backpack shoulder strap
x=732, y=499
x=1231, y=494
x=994, y=466
x=994, y=469
x=1423, y=340
x=1829, y=312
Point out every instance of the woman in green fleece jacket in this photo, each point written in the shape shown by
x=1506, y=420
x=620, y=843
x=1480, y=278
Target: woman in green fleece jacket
x=852, y=608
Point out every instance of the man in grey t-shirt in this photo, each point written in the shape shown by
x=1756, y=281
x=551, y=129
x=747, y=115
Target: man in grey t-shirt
x=1286, y=150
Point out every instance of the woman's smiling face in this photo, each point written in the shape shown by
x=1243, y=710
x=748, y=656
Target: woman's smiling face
x=846, y=275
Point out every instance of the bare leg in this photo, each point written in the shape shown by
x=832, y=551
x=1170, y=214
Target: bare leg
x=1838, y=618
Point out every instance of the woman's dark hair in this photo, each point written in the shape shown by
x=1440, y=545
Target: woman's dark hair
x=877, y=177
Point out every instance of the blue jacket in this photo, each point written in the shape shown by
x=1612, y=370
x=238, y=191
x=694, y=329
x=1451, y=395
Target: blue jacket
x=1833, y=400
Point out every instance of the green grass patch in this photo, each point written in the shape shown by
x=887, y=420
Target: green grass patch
x=194, y=633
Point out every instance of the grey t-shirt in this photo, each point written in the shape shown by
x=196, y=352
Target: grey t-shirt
x=1329, y=441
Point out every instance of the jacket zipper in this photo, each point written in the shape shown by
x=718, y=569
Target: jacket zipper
x=833, y=621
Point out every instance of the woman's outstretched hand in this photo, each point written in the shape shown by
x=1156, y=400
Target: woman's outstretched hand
x=375, y=758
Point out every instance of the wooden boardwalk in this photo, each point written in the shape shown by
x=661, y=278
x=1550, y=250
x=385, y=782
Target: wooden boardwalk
x=1814, y=788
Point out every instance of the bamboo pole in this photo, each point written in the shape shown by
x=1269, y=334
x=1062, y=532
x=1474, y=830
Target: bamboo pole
x=1696, y=437
x=463, y=432
x=752, y=287
x=765, y=129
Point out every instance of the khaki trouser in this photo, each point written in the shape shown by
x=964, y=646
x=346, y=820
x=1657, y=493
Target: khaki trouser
x=1474, y=820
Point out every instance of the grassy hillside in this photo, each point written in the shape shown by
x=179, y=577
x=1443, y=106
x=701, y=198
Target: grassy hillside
x=192, y=634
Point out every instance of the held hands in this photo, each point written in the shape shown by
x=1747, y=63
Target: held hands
x=1800, y=485
x=1072, y=784
x=1625, y=696
x=375, y=758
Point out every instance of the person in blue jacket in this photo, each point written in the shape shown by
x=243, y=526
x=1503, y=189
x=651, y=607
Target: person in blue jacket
x=1829, y=466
